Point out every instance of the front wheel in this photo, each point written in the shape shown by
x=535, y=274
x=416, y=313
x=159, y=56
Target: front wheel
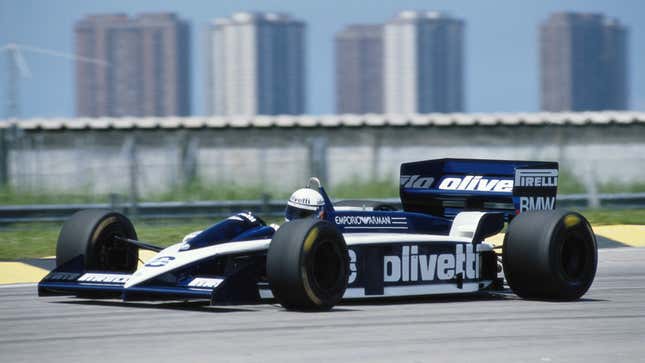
x=550, y=255
x=90, y=233
x=308, y=265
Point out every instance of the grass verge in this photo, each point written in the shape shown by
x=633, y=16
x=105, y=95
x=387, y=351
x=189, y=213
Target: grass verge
x=599, y=217
x=200, y=189
x=34, y=240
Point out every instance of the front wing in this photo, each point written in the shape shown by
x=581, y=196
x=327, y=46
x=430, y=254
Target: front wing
x=226, y=273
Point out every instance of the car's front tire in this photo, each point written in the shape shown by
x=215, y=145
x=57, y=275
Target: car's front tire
x=308, y=265
x=90, y=233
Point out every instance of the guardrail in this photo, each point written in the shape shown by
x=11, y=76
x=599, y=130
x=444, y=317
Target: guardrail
x=144, y=210
x=266, y=207
x=609, y=201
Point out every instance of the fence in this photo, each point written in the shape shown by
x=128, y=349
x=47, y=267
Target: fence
x=146, y=158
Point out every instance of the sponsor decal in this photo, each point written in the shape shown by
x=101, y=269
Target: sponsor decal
x=205, y=282
x=306, y=198
x=536, y=178
x=416, y=181
x=104, y=278
x=536, y=203
x=477, y=183
x=303, y=200
x=352, y=266
x=63, y=276
x=363, y=220
x=159, y=261
x=411, y=266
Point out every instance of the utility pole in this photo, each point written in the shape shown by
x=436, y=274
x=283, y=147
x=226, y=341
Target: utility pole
x=318, y=157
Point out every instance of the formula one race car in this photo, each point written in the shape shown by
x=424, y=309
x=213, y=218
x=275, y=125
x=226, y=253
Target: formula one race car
x=433, y=244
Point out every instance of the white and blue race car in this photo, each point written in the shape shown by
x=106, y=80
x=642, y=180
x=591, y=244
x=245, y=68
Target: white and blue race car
x=434, y=243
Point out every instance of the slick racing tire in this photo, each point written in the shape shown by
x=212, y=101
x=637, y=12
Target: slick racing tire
x=91, y=233
x=308, y=265
x=550, y=255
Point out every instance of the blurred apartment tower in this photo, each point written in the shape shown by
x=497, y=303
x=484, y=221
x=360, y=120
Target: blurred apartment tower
x=359, y=69
x=149, y=65
x=255, y=64
x=583, y=61
x=423, y=63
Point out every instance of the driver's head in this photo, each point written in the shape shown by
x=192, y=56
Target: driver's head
x=304, y=203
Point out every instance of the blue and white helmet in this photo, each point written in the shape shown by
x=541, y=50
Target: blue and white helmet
x=304, y=203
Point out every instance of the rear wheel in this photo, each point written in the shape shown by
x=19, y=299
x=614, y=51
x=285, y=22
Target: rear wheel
x=90, y=233
x=308, y=265
x=550, y=255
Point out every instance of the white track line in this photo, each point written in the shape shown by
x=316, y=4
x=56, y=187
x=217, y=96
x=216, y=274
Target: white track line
x=9, y=286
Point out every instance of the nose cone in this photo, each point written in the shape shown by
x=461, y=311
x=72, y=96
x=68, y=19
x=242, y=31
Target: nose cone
x=166, y=260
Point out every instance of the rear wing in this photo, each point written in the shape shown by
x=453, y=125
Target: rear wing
x=445, y=187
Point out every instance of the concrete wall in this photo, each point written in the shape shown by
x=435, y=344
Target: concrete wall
x=99, y=162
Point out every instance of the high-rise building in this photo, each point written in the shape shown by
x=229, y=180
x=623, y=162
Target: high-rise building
x=255, y=65
x=148, y=65
x=423, y=63
x=359, y=69
x=583, y=62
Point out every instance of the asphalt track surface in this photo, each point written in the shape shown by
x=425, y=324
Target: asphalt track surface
x=607, y=325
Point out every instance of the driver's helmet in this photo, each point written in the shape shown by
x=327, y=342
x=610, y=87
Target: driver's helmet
x=304, y=203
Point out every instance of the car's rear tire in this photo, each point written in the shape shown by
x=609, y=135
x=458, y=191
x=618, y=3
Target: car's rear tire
x=90, y=233
x=308, y=265
x=550, y=255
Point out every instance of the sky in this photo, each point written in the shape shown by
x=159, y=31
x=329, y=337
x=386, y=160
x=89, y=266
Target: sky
x=501, y=71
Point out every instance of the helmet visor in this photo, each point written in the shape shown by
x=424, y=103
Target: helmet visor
x=292, y=213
